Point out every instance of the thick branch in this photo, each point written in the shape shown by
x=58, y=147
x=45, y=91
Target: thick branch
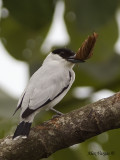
x=64, y=131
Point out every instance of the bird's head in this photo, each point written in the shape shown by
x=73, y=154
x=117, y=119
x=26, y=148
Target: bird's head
x=66, y=55
x=62, y=56
x=69, y=58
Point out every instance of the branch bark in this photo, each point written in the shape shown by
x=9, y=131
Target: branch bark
x=64, y=131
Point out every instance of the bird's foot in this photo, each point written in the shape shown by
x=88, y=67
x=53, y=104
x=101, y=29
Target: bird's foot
x=58, y=113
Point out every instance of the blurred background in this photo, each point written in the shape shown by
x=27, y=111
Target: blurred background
x=29, y=30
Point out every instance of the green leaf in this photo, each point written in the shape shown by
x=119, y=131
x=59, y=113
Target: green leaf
x=24, y=30
x=89, y=15
x=32, y=14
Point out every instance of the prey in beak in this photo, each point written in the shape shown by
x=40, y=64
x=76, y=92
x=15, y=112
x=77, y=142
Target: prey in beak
x=85, y=51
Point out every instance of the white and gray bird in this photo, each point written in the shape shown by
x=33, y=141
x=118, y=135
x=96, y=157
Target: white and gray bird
x=47, y=86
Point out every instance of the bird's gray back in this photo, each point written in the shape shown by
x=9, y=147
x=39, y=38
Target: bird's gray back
x=46, y=83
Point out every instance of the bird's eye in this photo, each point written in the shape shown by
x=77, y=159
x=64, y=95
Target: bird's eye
x=62, y=54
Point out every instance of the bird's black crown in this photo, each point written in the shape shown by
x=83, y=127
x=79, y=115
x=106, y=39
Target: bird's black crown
x=64, y=52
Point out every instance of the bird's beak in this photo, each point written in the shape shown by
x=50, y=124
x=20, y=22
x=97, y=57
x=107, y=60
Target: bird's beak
x=74, y=60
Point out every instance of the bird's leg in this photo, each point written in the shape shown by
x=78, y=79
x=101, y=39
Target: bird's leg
x=58, y=112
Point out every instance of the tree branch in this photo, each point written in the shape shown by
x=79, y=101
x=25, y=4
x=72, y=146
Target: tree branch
x=64, y=131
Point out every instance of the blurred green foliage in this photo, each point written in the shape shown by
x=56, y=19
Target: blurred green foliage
x=23, y=33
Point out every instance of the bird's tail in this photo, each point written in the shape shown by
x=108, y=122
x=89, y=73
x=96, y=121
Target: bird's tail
x=22, y=130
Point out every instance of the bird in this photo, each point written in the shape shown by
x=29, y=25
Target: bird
x=47, y=87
